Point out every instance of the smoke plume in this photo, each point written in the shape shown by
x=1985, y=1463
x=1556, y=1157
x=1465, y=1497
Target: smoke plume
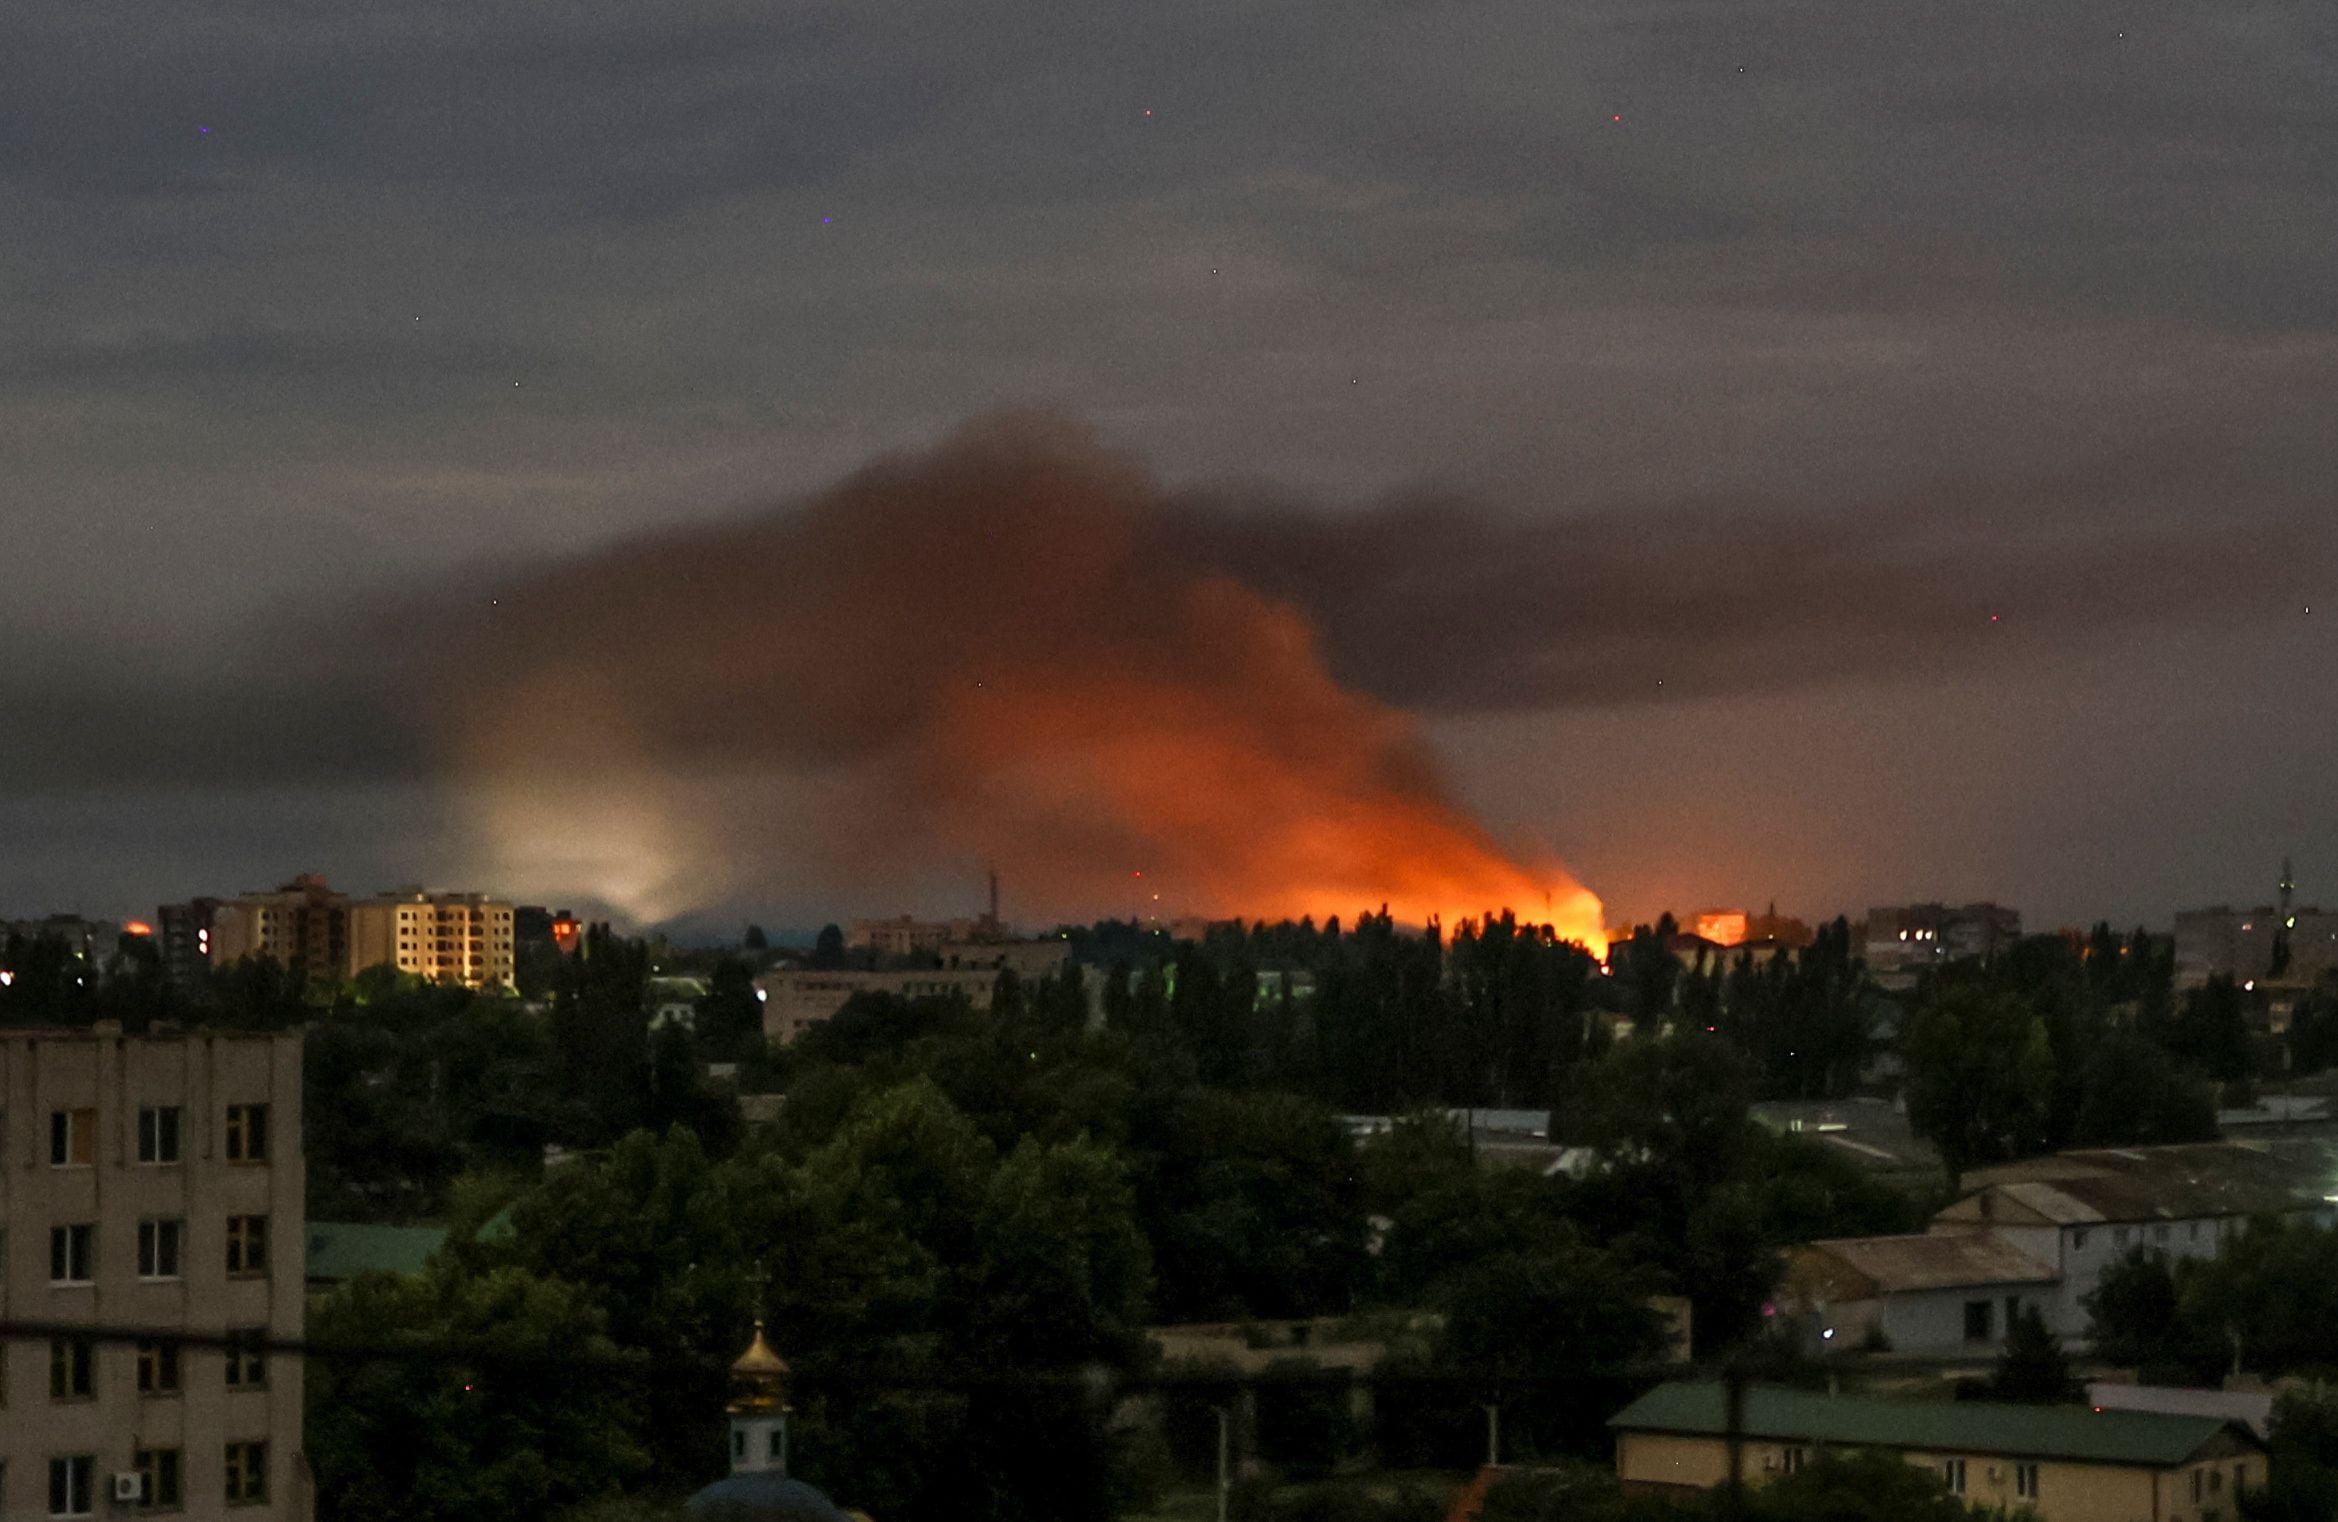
x=988, y=651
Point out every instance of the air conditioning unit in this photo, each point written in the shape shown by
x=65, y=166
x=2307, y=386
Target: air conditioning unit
x=129, y=1485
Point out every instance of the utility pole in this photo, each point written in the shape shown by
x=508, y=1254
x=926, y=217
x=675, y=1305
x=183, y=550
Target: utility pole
x=1225, y=1459
x=1493, y=1435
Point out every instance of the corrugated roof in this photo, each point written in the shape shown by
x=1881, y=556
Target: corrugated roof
x=2072, y=1433
x=337, y=1252
x=2204, y=1179
x=1937, y=1260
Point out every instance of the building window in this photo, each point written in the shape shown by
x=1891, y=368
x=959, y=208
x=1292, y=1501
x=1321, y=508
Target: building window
x=2025, y=1481
x=158, y=1368
x=158, y=1134
x=72, y=1369
x=2240, y=1477
x=72, y=1254
x=158, y=1474
x=247, y=1473
x=247, y=1244
x=72, y=1138
x=2215, y=1481
x=739, y=1443
x=247, y=1363
x=2078, y=1240
x=778, y=1442
x=1952, y=1474
x=247, y=1133
x=158, y=1248
x=1978, y=1319
x=2197, y=1485
x=73, y=1486
x=1789, y=1460
x=2119, y=1236
x=2194, y=1229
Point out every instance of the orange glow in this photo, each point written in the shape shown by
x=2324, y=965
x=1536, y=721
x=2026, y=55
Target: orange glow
x=1724, y=927
x=999, y=650
x=1260, y=790
x=137, y=927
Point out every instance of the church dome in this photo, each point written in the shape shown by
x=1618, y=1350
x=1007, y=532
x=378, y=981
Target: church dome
x=765, y=1496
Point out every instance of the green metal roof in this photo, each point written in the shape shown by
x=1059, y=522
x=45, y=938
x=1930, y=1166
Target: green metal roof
x=2076, y=1433
x=337, y=1252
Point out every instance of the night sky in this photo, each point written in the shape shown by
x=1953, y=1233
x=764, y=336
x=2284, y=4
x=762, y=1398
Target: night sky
x=1876, y=453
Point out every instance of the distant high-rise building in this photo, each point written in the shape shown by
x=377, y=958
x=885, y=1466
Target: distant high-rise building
x=1900, y=942
x=535, y=924
x=183, y=936
x=304, y=925
x=461, y=938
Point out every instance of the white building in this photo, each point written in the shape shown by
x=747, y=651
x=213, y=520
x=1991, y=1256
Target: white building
x=2042, y=1232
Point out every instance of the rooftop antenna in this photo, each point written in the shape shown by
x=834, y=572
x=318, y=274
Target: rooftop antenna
x=2288, y=886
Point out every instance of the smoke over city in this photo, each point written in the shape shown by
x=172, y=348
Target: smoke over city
x=987, y=653
x=1018, y=649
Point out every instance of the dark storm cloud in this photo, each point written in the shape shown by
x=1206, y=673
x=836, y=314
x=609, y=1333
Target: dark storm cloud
x=1438, y=604
x=1856, y=324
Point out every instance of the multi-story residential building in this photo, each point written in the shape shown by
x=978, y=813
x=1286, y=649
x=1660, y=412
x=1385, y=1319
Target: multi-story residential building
x=796, y=999
x=461, y=938
x=151, y=1182
x=1902, y=942
x=2266, y=944
x=303, y=924
x=182, y=936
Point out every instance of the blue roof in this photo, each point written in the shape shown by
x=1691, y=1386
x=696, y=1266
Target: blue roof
x=763, y=1496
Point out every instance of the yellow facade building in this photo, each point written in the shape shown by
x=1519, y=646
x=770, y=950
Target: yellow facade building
x=461, y=938
x=2064, y=1463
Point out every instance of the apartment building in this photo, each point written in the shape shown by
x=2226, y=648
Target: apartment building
x=151, y=1182
x=304, y=924
x=461, y=938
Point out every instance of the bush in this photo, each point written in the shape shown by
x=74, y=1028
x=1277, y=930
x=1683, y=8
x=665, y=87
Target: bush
x=1304, y=1422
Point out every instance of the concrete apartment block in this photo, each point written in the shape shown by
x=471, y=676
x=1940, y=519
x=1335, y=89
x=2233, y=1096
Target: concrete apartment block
x=152, y=1182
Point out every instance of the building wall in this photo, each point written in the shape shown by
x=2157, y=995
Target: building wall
x=1933, y=1321
x=796, y=1000
x=2066, y=1492
x=115, y=1076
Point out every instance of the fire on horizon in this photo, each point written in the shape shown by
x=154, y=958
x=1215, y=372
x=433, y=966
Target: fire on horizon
x=974, y=653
